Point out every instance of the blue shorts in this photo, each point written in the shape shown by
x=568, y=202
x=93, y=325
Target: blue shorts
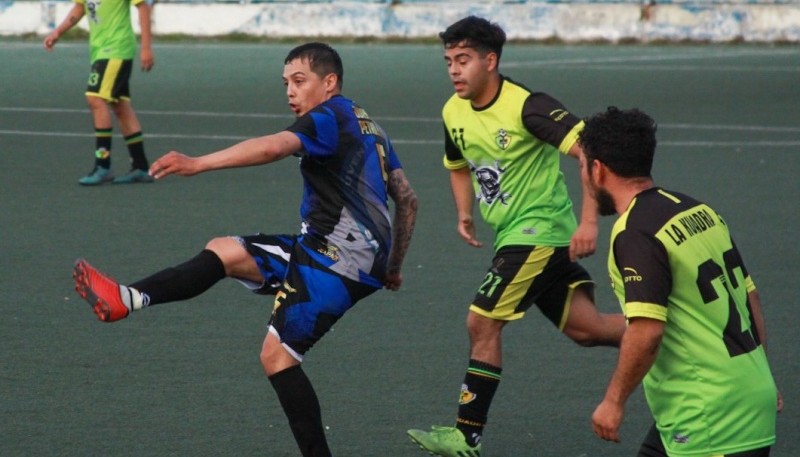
x=309, y=297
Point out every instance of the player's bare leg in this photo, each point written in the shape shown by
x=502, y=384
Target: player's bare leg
x=237, y=261
x=485, y=336
x=589, y=327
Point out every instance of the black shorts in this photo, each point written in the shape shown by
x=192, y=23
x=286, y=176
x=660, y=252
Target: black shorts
x=109, y=79
x=523, y=275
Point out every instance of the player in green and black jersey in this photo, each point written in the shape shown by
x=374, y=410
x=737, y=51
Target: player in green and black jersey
x=503, y=144
x=696, y=336
x=112, y=46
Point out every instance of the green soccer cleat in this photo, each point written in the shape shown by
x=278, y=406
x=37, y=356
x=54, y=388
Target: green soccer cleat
x=445, y=442
x=134, y=176
x=98, y=176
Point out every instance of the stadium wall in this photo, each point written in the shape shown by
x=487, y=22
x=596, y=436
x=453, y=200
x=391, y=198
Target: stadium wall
x=703, y=21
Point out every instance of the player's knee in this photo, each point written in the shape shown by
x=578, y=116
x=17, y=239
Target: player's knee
x=217, y=244
x=275, y=359
x=483, y=328
x=269, y=360
x=582, y=337
x=266, y=360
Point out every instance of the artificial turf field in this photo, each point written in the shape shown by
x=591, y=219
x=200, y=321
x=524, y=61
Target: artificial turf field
x=185, y=380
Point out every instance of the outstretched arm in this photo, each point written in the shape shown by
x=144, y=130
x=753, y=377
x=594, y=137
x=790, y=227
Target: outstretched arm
x=255, y=151
x=584, y=241
x=73, y=17
x=146, y=53
x=405, y=215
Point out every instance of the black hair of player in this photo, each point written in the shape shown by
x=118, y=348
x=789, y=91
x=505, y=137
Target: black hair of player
x=322, y=59
x=623, y=140
x=477, y=33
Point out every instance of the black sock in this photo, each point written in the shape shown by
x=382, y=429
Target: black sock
x=301, y=406
x=182, y=282
x=135, y=142
x=102, y=144
x=480, y=384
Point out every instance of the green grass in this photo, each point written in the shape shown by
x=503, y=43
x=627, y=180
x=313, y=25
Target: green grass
x=184, y=379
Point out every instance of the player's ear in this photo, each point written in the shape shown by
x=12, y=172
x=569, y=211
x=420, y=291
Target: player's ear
x=598, y=172
x=331, y=82
x=491, y=61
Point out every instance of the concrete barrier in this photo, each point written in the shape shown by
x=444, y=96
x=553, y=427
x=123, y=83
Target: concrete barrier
x=568, y=22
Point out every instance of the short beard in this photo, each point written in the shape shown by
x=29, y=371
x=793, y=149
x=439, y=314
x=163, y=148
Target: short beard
x=605, y=202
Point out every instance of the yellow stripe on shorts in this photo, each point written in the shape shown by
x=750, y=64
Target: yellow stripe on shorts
x=109, y=78
x=505, y=309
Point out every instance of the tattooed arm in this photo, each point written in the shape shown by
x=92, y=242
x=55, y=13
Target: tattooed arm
x=73, y=17
x=405, y=214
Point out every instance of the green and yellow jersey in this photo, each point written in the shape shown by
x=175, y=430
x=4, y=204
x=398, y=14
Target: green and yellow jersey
x=710, y=389
x=512, y=149
x=110, y=31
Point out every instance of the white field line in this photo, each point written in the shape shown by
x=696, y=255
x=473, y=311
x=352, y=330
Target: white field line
x=403, y=141
x=659, y=57
x=399, y=119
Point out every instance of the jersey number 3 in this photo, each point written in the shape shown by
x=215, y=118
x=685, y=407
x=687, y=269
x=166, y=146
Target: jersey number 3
x=737, y=340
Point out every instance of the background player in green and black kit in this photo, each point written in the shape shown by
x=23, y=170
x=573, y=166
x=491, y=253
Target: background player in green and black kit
x=113, y=46
x=696, y=336
x=503, y=143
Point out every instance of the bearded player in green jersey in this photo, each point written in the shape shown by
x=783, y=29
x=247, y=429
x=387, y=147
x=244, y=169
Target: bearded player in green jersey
x=696, y=336
x=113, y=46
x=503, y=144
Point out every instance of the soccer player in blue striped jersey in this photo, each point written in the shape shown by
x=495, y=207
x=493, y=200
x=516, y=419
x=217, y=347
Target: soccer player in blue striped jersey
x=348, y=247
x=696, y=337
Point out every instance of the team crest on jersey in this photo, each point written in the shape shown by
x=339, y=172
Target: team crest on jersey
x=92, y=7
x=503, y=139
x=488, y=178
x=466, y=396
x=331, y=252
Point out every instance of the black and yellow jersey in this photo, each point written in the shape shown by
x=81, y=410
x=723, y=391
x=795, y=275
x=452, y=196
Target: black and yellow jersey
x=711, y=391
x=512, y=149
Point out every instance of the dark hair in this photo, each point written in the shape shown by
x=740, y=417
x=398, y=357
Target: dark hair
x=623, y=140
x=322, y=59
x=475, y=32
